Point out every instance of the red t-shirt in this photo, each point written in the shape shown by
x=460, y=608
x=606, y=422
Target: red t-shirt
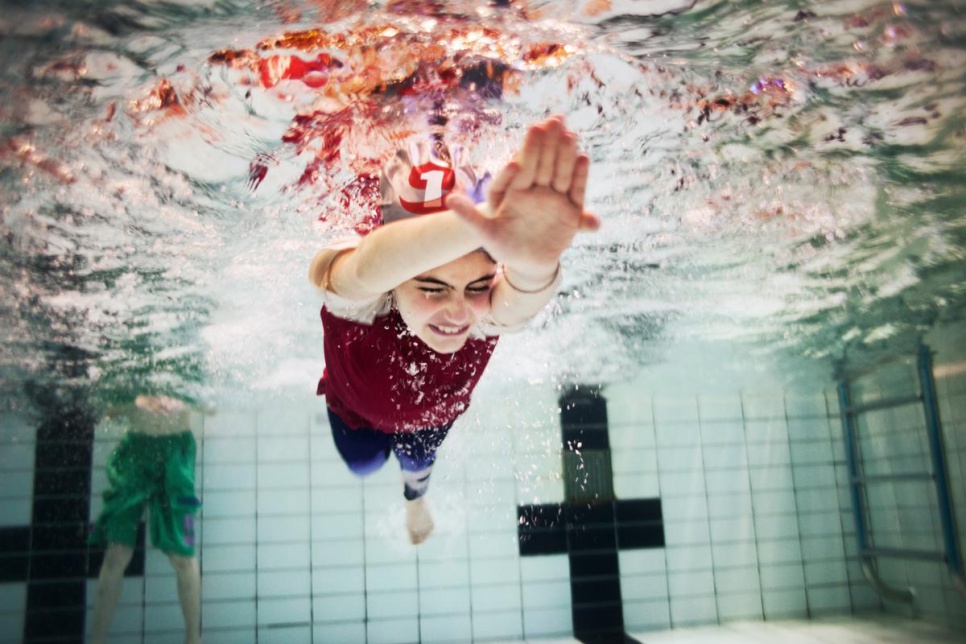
x=383, y=377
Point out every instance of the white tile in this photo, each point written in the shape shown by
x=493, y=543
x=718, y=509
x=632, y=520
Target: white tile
x=542, y=623
x=651, y=561
x=675, y=410
x=693, y=610
x=392, y=631
x=287, y=501
x=725, y=456
x=719, y=407
x=782, y=551
x=337, y=500
x=283, y=422
x=680, y=459
x=228, y=614
x=776, y=526
x=727, y=481
x=494, y=546
x=677, y=484
x=626, y=406
x=444, y=601
x=825, y=572
x=337, y=552
x=634, y=461
x=338, y=580
x=814, y=476
x=686, y=533
x=647, y=615
x=829, y=600
x=445, y=628
x=492, y=518
x=785, y=603
x=782, y=577
x=637, y=486
x=230, y=424
x=678, y=434
x=545, y=594
x=232, y=558
x=15, y=512
x=284, y=635
x=770, y=478
x=729, y=505
x=225, y=449
x=227, y=503
x=728, y=432
x=444, y=574
x=337, y=527
x=734, y=529
x=396, y=577
x=554, y=567
x=391, y=605
x=338, y=608
x=688, y=558
x=738, y=553
x=294, y=554
x=691, y=584
x=283, y=449
x=729, y=580
x=823, y=548
x=283, y=583
x=740, y=606
x=643, y=587
x=497, y=625
x=16, y=485
x=228, y=477
x=495, y=571
x=291, y=610
x=283, y=475
x=756, y=406
x=496, y=598
x=226, y=586
x=801, y=405
x=282, y=529
x=690, y=508
x=229, y=531
x=17, y=457
x=769, y=454
x=339, y=632
x=817, y=524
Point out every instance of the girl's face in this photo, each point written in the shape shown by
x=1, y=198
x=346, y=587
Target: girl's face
x=442, y=305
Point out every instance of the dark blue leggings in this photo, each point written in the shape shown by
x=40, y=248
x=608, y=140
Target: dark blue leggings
x=365, y=450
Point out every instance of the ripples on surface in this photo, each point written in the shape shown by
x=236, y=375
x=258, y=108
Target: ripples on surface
x=768, y=175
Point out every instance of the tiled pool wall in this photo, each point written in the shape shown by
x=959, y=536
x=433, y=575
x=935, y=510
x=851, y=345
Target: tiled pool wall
x=752, y=485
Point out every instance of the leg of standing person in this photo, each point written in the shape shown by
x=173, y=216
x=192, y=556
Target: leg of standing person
x=109, y=584
x=416, y=452
x=189, y=594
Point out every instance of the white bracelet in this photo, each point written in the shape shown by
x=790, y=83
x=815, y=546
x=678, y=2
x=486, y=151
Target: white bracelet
x=506, y=278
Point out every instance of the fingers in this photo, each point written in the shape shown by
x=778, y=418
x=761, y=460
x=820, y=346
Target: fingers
x=528, y=158
x=500, y=183
x=550, y=145
x=589, y=222
x=565, y=163
x=578, y=182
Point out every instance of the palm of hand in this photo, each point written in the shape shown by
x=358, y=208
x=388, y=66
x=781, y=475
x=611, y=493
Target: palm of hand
x=532, y=227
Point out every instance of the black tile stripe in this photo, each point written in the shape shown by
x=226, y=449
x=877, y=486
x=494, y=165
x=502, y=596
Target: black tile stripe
x=591, y=533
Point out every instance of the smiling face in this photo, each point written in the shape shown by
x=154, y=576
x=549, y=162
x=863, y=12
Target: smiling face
x=441, y=306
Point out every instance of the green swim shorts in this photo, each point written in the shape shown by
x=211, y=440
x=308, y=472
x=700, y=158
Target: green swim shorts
x=157, y=471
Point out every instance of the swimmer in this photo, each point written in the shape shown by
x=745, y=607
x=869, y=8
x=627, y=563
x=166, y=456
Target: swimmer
x=153, y=466
x=413, y=311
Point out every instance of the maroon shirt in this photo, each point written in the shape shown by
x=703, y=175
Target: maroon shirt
x=383, y=377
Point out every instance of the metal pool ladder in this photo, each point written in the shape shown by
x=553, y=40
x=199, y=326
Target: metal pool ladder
x=858, y=483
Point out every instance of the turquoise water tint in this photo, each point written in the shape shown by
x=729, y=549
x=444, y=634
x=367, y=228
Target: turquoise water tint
x=782, y=187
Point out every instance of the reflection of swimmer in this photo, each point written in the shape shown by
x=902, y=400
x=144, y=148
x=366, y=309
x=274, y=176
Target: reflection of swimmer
x=153, y=466
x=412, y=311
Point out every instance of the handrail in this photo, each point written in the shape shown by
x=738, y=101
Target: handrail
x=939, y=475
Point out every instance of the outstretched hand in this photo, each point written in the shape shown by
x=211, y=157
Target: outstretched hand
x=537, y=203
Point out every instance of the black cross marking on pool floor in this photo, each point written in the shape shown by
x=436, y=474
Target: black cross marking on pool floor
x=591, y=525
x=51, y=554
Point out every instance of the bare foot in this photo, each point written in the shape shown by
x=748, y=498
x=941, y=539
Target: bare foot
x=419, y=520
